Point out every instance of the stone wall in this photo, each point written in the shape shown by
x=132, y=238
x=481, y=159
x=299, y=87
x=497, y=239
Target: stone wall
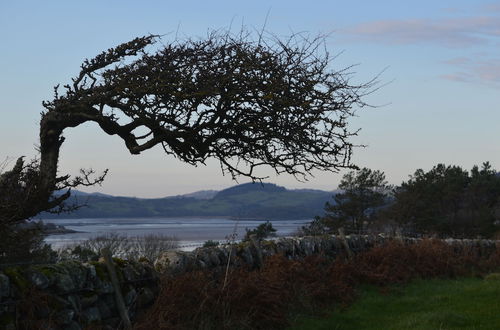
x=252, y=253
x=71, y=295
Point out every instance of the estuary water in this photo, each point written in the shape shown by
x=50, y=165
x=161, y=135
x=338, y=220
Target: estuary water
x=191, y=232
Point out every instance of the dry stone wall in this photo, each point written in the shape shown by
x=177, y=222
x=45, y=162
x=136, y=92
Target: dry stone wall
x=72, y=295
x=251, y=254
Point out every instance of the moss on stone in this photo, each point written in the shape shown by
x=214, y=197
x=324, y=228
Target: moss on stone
x=17, y=278
x=6, y=319
x=120, y=262
x=144, y=260
x=88, y=294
x=268, y=244
x=47, y=270
x=100, y=270
x=242, y=245
x=56, y=303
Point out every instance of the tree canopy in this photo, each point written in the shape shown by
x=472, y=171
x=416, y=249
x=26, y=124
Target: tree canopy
x=450, y=201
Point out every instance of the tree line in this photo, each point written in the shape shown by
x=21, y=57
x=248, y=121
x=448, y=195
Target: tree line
x=446, y=201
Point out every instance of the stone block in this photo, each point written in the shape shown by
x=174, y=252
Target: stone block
x=38, y=279
x=4, y=285
x=64, y=316
x=91, y=314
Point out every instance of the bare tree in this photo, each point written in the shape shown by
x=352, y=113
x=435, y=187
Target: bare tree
x=245, y=102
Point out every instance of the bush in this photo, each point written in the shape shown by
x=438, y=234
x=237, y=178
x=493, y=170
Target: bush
x=127, y=247
x=20, y=245
x=317, y=227
x=210, y=243
x=262, y=231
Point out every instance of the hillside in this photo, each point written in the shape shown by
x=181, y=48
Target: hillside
x=249, y=200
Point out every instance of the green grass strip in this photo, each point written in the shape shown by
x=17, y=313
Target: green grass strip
x=466, y=303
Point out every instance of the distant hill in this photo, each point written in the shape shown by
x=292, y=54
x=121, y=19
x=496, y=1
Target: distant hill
x=265, y=188
x=249, y=200
x=202, y=194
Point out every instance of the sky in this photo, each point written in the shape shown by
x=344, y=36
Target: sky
x=439, y=66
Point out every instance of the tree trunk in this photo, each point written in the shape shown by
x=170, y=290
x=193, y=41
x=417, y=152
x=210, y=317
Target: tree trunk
x=51, y=140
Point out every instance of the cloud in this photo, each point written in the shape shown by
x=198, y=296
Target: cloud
x=458, y=61
x=491, y=7
x=458, y=76
x=480, y=69
x=447, y=32
x=488, y=70
x=472, y=33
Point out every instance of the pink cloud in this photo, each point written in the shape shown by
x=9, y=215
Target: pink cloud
x=478, y=70
x=451, y=32
x=492, y=7
x=458, y=61
x=488, y=71
x=458, y=76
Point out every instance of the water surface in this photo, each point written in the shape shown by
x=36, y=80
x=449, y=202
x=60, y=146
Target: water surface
x=191, y=232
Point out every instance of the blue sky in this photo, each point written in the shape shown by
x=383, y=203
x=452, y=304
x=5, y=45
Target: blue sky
x=441, y=103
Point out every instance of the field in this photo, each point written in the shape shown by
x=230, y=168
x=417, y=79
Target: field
x=465, y=303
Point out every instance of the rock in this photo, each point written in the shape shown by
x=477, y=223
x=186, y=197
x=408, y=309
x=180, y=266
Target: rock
x=172, y=261
x=130, y=297
x=109, y=299
x=65, y=316
x=78, y=274
x=60, y=303
x=88, y=300
x=42, y=311
x=75, y=302
x=73, y=326
x=146, y=296
x=268, y=248
x=214, y=257
x=4, y=285
x=38, y=279
x=105, y=287
x=64, y=283
x=246, y=255
x=112, y=323
x=130, y=273
x=92, y=274
x=104, y=310
x=306, y=246
x=91, y=314
x=10, y=326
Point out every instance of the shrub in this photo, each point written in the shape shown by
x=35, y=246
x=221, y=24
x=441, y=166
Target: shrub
x=262, y=231
x=127, y=247
x=210, y=243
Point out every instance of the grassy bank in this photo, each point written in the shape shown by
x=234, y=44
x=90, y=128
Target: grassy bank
x=466, y=303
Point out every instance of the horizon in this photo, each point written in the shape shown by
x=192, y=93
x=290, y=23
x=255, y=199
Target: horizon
x=438, y=101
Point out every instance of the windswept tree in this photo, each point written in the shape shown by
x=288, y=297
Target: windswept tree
x=245, y=101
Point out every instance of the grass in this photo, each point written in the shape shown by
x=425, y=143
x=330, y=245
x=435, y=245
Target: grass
x=465, y=303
